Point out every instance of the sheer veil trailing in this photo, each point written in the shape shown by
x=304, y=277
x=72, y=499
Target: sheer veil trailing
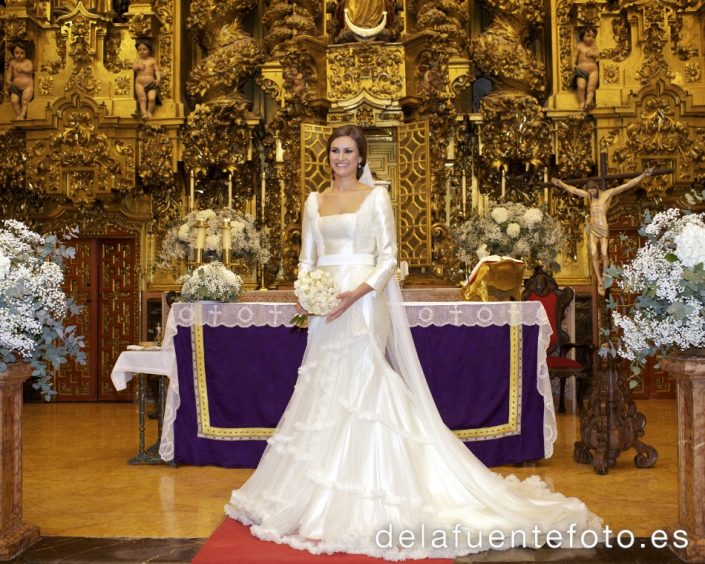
x=520, y=500
x=405, y=361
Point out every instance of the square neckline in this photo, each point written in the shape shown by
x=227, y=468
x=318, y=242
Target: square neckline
x=364, y=200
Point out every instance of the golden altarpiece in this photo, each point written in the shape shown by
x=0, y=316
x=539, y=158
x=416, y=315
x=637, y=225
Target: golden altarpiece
x=463, y=101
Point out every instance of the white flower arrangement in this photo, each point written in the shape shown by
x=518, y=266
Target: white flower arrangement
x=513, y=230
x=248, y=242
x=667, y=275
x=33, y=305
x=210, y=282
x=316, y=291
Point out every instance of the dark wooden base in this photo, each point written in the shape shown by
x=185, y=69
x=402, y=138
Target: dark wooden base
x=612, y=424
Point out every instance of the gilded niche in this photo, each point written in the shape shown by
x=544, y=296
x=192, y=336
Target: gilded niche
x=364, y=19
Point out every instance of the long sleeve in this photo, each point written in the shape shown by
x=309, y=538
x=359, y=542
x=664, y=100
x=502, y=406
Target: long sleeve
x=386, y=240
x=308, y=254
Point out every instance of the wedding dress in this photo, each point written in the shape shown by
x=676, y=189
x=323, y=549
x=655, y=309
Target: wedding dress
x=361, y=453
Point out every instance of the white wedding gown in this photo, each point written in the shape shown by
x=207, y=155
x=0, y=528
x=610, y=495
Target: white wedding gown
x=353, y=455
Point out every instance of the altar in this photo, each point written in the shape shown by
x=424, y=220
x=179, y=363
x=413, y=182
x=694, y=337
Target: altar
x=237, y=365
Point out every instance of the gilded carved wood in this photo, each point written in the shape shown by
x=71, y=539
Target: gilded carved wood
x=250, y=88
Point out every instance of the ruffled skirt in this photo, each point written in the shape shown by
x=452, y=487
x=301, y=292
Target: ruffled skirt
x=351, y=469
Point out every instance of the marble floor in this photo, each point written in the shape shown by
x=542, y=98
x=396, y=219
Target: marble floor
x=78, y=485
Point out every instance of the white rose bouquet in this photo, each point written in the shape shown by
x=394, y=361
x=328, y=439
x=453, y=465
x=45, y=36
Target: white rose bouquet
x=211, y=282
x=316, y=291
x=514, y=230
x=667, y=275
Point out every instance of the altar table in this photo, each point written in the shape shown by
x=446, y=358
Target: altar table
x=237, y=365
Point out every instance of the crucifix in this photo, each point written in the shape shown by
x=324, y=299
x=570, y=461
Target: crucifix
x=600, y=198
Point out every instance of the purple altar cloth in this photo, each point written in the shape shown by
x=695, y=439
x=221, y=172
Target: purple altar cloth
x=251, y=374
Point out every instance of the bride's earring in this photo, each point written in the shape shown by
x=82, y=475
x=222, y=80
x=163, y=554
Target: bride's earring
x=359, y=165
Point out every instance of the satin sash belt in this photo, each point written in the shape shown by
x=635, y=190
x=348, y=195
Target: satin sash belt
x=357, y=258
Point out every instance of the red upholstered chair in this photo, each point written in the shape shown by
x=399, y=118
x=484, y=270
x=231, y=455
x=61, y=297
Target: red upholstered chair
x=543, y=288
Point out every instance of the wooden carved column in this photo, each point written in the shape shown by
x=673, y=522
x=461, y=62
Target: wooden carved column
x=15, y=535
x=689, y=372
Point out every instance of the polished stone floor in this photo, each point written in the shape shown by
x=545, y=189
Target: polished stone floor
x=91, y=506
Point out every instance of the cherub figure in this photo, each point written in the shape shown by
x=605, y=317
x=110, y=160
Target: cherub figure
x=585, y=75
x=599, y=229
x=20, y=80
x=147, y=78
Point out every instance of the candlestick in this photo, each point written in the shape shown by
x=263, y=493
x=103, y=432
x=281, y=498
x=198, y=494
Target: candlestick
x=230, y=190
x=192, y=194
x=465, y=195
x=263, y=184
x=473, y=192
x=504, y=181
x=545, y=181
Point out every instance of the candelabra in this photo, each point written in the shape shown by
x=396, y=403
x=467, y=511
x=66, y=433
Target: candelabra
x=226, y=233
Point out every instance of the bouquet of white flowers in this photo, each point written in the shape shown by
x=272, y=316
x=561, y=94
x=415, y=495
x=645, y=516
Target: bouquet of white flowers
x=668, y=277
x=33, y=304
x=211, y=282
x=316, y=291
x=514, y=230
x=248, y=242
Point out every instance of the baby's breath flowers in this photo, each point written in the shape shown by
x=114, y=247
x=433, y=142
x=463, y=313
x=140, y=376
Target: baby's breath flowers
x=668, y=278
x=33, y=304
x=210, y=282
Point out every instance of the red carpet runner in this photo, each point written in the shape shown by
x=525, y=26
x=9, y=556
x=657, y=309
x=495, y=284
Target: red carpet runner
x=232, y=543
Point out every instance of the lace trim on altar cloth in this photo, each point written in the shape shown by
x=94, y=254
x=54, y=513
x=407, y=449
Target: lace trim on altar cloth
x=420, y=314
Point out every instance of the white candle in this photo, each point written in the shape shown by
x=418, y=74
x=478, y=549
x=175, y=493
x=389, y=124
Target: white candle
x=263, y=183
x=227, y=235
x=230, y=190
x=465, y=195
x=191, y=194
x=200, y=234
x=474, y=191
x=504, y=182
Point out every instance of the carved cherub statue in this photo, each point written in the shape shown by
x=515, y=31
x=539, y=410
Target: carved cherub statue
x=20, y=80
x=147, y=78
x=586, y=74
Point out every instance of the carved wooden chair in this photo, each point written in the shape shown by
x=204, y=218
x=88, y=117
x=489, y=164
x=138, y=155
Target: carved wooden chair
x=542, y=287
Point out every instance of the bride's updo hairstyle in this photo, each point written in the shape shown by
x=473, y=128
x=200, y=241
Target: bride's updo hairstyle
x=358, y=136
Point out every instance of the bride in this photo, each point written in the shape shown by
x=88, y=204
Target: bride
x=361, y=461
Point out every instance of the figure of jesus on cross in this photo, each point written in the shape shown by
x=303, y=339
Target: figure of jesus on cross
x=598, y=228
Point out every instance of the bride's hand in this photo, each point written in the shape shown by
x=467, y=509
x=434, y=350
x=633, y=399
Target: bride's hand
x=300, y=310
x=346, y=300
